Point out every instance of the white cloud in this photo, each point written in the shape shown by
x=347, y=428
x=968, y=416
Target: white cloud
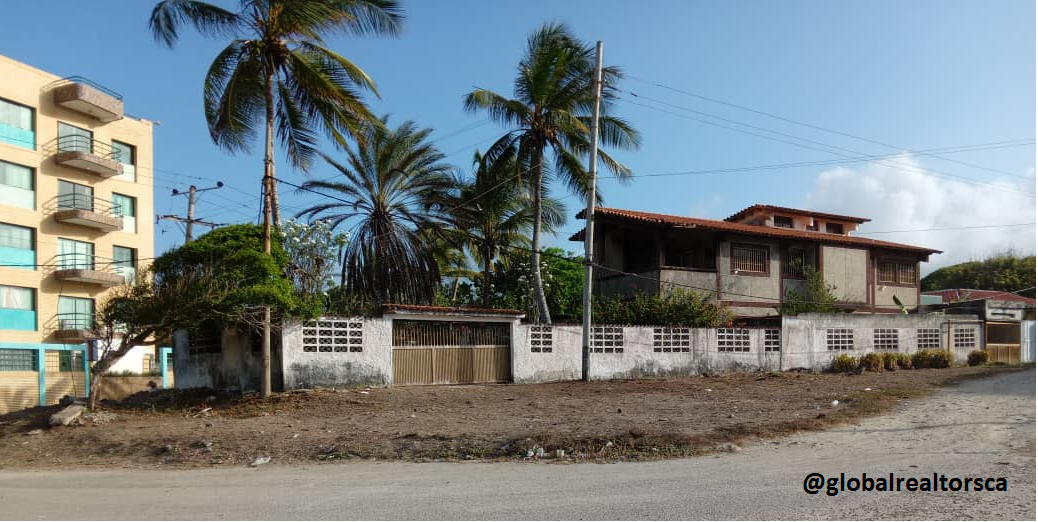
x=896, y=195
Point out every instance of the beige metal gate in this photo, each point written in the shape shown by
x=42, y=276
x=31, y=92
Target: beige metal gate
x=450, y=352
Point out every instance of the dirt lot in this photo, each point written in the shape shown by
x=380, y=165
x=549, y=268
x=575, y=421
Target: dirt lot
x=606, y=420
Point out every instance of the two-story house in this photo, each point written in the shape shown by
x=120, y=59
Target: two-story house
x=749, y=260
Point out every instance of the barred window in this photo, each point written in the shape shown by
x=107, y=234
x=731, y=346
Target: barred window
x=839, y=339
x=928, y=338
x=607, y=339
x=671, y=339
x=794, y=263
x=333, y=335
x=201, y=344
x=750, y=259
x=783, y=222
x=733, y=340
x=772, y=340
x=884, y=339
x=964, y=338
x=897, y=272
x=17, y=360
x=540, y=339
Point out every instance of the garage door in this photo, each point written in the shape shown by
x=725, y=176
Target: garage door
x=450, y=352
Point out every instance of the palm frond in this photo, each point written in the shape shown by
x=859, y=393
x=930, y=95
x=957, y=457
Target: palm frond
x=168, y=15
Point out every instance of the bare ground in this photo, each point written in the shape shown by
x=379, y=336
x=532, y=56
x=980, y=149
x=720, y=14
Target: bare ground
x=604, y=420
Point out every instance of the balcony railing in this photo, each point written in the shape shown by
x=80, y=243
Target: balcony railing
x=87, y=81
x=75, y=321
x=91, y=269
x=86, y=153
x=88, y=97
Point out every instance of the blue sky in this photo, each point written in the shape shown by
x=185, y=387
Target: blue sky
x=918, y=75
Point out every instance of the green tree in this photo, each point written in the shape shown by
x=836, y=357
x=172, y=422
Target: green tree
x=676, y=307
x=817, y=296
x=392, y=183
x=1004, y=272
x=549, y=118
x=512, y=283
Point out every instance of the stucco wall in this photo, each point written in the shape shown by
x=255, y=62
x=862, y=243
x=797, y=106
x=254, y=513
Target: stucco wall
x=750, y=288
x=235, y=368
x=847, y=270
x=699, y=281
x=628, y=286
x=373, y=365
x=563, y=363
x=909, y=296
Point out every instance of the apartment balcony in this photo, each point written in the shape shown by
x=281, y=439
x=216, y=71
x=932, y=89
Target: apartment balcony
x=84, y=153
x=87, y=211
x=89, y=269
x=87, y=97
x=74, y=328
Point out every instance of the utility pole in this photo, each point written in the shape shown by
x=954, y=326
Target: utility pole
x=589, y=218
x=190, y=220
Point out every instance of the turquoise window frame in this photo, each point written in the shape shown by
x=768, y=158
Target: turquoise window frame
x=17, y=136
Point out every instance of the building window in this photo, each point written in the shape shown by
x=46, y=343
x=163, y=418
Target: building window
x=772, y=340
x=733, y=339
x=540, y=339
x=75, y=196
x=964, y=338
x=839, y=339
x=928, y=338
x=834, y=228
x=897, y=272
x=16, y=186
x=17, y=308
x=127, y=156
x=17, y=125
x=75, y=313
x=125, y=207
x=669, y=340
x=607, y=339
x=70, y=361
x=783, y=222
x=74, y=254
x=148, y=364
x=333, y=335
x=795, y=263
x=74, y=139
x=17, y=247
x=749, y=259
x=204, y=343
x=17, y=360
x=124, y=262
x=884, y=339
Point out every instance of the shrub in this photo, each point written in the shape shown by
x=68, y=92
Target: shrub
x=932, y=359
x=977, y=358
x=844, y=363
x=677, y=307
x=871, y=362
x=897, y=360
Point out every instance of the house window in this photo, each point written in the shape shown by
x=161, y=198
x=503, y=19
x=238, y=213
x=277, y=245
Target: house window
x=75, y=313
x=772, y=340
x=16, y=186
x=17, y=247
x=148, y=364
x=607, y=339
x=125, y=207
x=75, y=196
x=74, y=254
x=204, y=343
x=928, y=338
x=733, y=339
x=17, y=360
x=897, y=272
x=17, y=308
x=74, y=139
x=17, y=126
x=783, y=221
x=964, y=338
x=834, y=228
x=127, y=155
x=839, y=339
x=124, y=262
x=69, y=361
x=795, y=263
x=671, y=339
x=333, y=335
x=540, y=339
x=749, y=259
x=884, y=339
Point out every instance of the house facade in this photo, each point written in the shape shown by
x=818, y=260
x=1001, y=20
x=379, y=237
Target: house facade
x=749, y=260
x=75, y=215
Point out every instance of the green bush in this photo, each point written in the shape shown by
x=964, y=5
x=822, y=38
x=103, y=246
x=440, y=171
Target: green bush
x=897, y=360
x=871, y=362
x=977, y=358
x=678, y=307
x=932, y=359
x=844, y=363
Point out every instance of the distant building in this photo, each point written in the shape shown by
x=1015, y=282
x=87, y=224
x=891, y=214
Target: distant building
x=749, y=260
x=1008, y=319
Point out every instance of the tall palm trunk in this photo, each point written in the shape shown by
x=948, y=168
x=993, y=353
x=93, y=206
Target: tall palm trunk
x=485, y=298
x=535, y=257
x=268, y=208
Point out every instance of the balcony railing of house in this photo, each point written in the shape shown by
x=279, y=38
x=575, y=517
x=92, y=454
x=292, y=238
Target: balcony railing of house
x=78, y=143
x=74, y=321
x=86, y=81
x=82, y=261
x=88, y=203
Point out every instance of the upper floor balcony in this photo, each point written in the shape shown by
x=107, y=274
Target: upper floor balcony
x=85, y=96
x=87, y=211
x=85, y=153
x=73, y=327
x=91, y=269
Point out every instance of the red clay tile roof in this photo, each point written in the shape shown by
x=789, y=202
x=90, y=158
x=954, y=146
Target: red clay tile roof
x=752, y=230
x=955, y=295
x=742, y=213
x=449, y=309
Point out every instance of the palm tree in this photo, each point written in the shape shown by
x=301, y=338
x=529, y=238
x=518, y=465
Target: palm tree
x=550, y=123
x=392, y=181
x=491, y=213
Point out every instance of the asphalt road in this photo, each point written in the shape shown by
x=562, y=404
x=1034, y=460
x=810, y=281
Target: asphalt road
x=982, y=428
